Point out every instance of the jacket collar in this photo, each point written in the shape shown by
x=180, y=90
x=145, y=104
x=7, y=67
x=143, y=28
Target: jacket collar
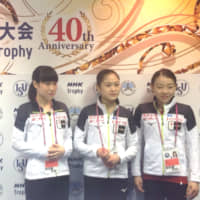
x=103, y=107
x=36, y=107
x=166, y=107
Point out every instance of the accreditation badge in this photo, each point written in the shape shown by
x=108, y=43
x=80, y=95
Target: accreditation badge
x=173, y=125
x=171, y=161
x=60, y=123
x=51, y=166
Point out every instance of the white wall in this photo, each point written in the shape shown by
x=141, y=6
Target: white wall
x=76, y=92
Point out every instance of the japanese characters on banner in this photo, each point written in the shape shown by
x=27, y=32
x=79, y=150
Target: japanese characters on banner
x=76, y=92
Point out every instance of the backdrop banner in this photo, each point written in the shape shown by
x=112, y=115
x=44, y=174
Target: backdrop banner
x=77, y=37
x=76, y=92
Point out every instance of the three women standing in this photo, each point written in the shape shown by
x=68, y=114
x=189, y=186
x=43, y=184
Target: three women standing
x=167, y=163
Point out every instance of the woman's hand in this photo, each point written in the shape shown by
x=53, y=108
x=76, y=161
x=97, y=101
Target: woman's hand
x=55, y=152
x=109, y=160
x=112, y=160
x=103, y=153
x=139, y=183
x=192, y=190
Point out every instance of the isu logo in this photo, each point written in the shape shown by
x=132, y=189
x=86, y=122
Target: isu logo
x=21, y=88
x=182, y=88
x=128, y=88
x=20, y=164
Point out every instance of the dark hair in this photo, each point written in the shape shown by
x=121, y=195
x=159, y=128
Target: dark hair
x=103, y=73
x=41, y=74
x=163, y=72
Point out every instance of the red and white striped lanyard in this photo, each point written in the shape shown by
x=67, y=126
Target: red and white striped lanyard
x=159, y=128
x=115, y=130
x=43, y=127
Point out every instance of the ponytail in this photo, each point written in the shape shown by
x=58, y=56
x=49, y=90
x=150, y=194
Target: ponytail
x=32, y=92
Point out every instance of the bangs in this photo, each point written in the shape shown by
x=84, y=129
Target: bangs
x=44, y=74
x=48, y=76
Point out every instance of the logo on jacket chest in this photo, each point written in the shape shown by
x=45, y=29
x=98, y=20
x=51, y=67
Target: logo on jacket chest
x=148, y=116
x=175, y=121
x=102, y=121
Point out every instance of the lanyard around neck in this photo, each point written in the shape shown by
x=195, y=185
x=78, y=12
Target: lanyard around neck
x=161, y=128
x=115, y=130
x=43, y=126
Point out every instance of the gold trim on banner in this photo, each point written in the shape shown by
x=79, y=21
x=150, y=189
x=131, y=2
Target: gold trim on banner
x=193, y=31
x=55, y=51
x=9, y=6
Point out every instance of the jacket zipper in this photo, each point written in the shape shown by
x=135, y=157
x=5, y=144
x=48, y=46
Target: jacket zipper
x=162, y=127
x=108, y=133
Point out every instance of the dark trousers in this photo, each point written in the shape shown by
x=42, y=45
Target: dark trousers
x=47, y=189
x=105, y=188
x=159, y=190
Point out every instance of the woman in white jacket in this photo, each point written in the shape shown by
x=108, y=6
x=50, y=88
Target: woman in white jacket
x=106, y=137
x=42, y=134
x=167, y=165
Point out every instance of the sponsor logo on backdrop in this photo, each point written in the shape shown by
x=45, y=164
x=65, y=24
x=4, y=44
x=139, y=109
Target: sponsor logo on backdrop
x=75, y=87
x=1, y=138
x=1, y=91
x=1, y=164
x=20, y=88
x=1, y=113
x=1, y=189
x=19, y=189
x=128, y=88
x=182, y=88
x=20, y=164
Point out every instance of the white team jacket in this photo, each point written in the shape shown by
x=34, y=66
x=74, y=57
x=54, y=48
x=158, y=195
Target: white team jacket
x=28, y=138
x=87, y=140
x=150, y=147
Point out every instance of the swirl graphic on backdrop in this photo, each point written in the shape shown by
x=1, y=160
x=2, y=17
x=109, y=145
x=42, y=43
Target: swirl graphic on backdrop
x=6, y=69
x=185, y=28
x=7, y=11
x=34, y=9
x=120, y=30
x=32, y=12
x=115, y=29
x=11, y=10
x=104, y=12
x=167, y=48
